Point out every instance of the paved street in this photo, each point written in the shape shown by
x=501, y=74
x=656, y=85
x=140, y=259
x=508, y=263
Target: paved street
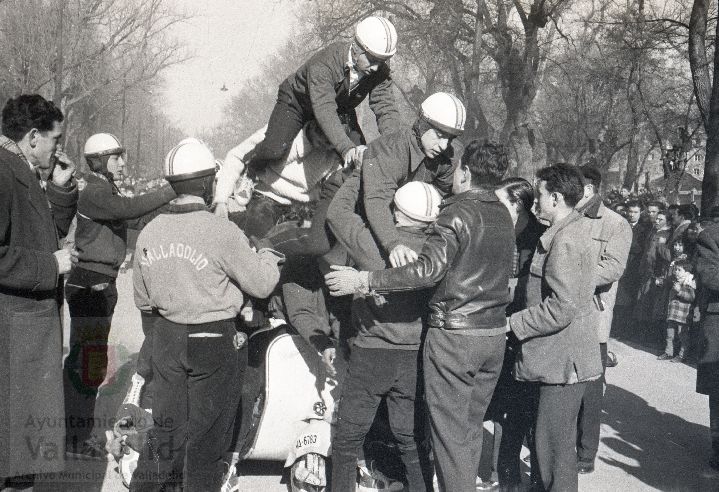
x=654, y=432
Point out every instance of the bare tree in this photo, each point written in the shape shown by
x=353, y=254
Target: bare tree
x=706, y=90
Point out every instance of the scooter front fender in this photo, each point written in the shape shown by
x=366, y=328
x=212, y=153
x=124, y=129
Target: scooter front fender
x=314, y=438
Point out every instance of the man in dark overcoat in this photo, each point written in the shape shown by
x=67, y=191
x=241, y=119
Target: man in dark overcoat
x=34, y=214
x=708, y=363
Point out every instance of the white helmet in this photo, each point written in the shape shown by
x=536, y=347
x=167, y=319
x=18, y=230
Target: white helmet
x=418, y=201
x=377, y=36
x=102, y=144
x=445, y=112
x=190, y=158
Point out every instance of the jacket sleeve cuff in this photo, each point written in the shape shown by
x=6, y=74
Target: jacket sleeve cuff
x=62, y=195
x=515, y=324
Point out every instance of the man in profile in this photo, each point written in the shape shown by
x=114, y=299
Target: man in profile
x=559, y=348
x=34, y=214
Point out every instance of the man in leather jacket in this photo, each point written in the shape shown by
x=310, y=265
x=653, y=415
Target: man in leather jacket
x=469, y=256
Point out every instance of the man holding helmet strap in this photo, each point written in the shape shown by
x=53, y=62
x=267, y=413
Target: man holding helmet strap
x=328, y=88
x=101, y=242
x=194, y=269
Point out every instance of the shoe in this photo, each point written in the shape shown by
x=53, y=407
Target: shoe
x=482, y=485
x=612, y=360
x=678, y=358
x=231, y=482
x=370, y=479
x=584, y=467
x=664, y=356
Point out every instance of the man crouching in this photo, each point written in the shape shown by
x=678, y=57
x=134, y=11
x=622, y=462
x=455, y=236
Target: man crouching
x=193, y=269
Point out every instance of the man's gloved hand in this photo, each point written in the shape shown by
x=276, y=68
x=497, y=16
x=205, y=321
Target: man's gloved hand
x=344, y=280
x=328, y=360
x=354, y=156
x=401, y=255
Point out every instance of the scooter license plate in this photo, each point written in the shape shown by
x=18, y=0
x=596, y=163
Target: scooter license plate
x=306, y=440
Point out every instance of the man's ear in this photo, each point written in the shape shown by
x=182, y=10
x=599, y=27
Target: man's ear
x=32, y=137
x=466, y=175
x=557, y=198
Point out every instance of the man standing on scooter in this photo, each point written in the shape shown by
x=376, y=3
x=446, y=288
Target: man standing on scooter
x=194, y=270
x=327, y=88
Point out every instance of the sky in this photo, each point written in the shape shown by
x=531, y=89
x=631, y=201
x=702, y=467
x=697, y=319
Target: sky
x=229, y=40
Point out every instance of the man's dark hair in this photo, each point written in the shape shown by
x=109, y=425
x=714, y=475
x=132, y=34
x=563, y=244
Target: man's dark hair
x=591, y=176
x=714, y=212
x=519, y=190
x=656, y=203
x=486, y=161
x=565, y=179
x=28, y=111
x=673, y=207
x=687, y=212
x=634, y=204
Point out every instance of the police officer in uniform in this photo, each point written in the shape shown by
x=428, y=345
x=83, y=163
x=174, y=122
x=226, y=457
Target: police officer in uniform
x=194, y=270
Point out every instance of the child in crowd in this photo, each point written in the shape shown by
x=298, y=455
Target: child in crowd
x=681, y=297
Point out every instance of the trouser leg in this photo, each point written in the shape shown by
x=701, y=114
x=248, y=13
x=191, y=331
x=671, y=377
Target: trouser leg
x=683, y=332
x=460, y=373
x=405, y=419
x=367, y=380
x=144, y=358
x=261, y=215
x=162, y=458
x=518, y=425
x=714, y=421
x=284, y=124
x=85, y=367
x=556, y=436
x=213, y=392
x=590, y=415
x=671, y=333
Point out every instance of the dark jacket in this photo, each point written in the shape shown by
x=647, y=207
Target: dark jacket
x=628, y=285
x=528, y=230
x=392, y=321
x=558, y=331
x=320, y=88
x=708, y=273
x=32, y=432
x=322, y=320
x=102, y=214
x=396, y=320
x=469, y=253
x=391, y=161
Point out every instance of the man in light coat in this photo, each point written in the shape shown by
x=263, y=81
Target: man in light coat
x=34, y=214
x=558, y=335
x=614, y=235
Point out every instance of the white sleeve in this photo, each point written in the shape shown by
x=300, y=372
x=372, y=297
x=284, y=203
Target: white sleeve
x=233, y=167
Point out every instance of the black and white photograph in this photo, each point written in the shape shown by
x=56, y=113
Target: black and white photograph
x=359, y=245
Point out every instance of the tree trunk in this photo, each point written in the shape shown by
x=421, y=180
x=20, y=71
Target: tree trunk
x=707, y=97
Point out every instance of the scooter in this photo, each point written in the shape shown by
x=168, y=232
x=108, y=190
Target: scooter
x=290, y=405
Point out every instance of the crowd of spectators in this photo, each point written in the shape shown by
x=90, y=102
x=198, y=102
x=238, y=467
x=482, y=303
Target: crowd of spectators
x=656, y=300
